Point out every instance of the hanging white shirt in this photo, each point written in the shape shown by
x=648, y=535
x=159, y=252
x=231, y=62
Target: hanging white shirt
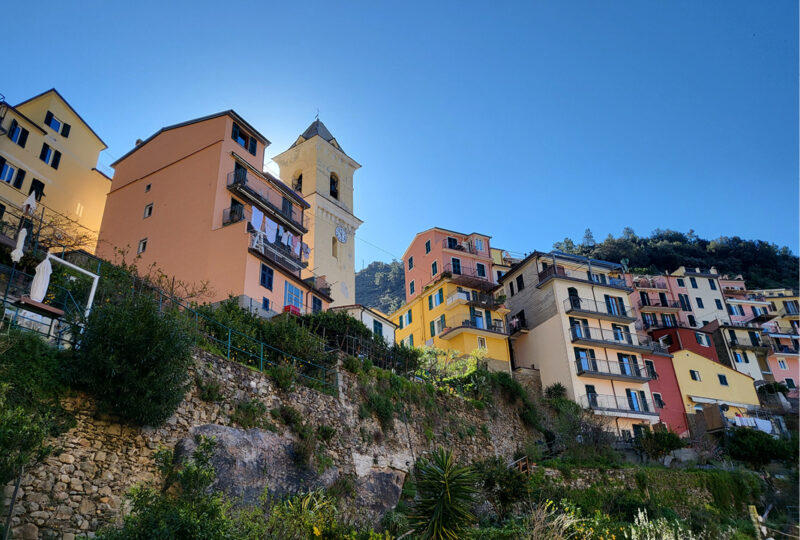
x=257, y=218
x=16, y=255
x=41, y=281
x=271, y=229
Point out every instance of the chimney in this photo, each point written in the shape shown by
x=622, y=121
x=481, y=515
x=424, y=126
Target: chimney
x=138, y=142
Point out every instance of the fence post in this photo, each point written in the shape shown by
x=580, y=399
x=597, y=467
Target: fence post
x=160, y=301
x=261, y=357
x=229, y=343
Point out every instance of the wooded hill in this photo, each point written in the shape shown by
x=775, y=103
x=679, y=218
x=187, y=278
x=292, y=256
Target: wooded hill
x=762, y=264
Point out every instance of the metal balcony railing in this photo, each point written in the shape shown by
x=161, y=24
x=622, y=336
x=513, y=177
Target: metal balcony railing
x=573, y=303
x=479, y=324
x=604, y=279
x=657, y=302
x=619, y=338
x=466, y=247
x=626, y=404
x=277, y=252
x=614, y=369
x=268, y=196
x=479, y=300
x=233, y=214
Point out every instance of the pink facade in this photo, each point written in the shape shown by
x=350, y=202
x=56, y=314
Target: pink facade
x=660, y=301
x=437, y=251
x=786, y=369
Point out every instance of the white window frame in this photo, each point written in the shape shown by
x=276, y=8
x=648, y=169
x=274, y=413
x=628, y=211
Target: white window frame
x=54, y=118
x=782, y=364
x=479, y=244
x=142, y=247
x=794, y=385
x=148, y=210
x=482, y=343
x=691, y=375
x=7, y=173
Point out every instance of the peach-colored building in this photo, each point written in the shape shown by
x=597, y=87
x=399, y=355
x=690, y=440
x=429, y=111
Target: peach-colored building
x=439, y=251
x=193, y=200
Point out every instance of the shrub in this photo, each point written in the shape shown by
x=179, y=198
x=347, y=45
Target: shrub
x=325, y=432
x=394, y=522
x=445, y=493
x=283, y=375
x=344, y=486
x=555, y=391
x=502, y=486
x=657, y=444
x=351, y=364
x=210, y=390
x=382, y=407
x=251, y=414
x=135, y=360
x=290, y=416
x=756, y=447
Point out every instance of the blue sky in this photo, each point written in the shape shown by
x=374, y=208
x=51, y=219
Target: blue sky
x=529, y=122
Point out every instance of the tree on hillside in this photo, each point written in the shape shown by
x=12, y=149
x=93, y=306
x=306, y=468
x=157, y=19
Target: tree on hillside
x=381, y=286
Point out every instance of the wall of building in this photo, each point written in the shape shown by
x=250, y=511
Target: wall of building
x=790, y=371
x=673, y=413
x=366, y=317
x=710, y=295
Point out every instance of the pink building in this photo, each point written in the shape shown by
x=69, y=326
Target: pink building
x=438, y=251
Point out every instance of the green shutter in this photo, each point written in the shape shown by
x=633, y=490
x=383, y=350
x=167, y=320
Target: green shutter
x=430, y=302
x=409, y=316
x=411, y=340
x=400, y=322
x=433, y=329
x=488, y=319
x=441, y=319
x=440, y=294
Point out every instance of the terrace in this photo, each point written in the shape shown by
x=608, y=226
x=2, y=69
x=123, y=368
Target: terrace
x=633, y=406
x=496, y=327
x=468, y=276
x=475, y=299
x=610, y=311
x=269, y=198
x=608, y=369
x=616, y=339
x=603, y=280
x=276, y=252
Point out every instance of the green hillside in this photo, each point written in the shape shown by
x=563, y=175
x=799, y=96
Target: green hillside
x=381, y=285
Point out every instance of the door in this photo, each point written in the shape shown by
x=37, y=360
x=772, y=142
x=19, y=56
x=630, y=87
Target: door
x=625, y=367
x=456, y=263
x=645, y=299
x=580, y=327
x=633, y=399
x=662, y=298
x=574, y=300
x=591, y=396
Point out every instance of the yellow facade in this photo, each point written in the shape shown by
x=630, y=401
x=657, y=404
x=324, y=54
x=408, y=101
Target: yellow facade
x=73, y=190
x=453, y=318
x=736, y=390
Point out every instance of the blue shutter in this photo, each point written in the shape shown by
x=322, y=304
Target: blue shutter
x=65, y=130
x=433, y=329
x=430, y=302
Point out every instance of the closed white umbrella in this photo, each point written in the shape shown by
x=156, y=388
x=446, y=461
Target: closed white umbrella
x=41, y=280
x=16, y=255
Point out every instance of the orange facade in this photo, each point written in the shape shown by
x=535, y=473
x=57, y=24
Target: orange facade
x=439, y=251
x=193, y=200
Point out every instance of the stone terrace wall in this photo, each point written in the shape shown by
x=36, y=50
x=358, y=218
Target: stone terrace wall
x=81, y=486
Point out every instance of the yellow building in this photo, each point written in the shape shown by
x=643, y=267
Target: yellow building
x=454, y=317
x=702, y=381
x=317, y=168
x=571, y=319
x=502, y=262
x=48, y=149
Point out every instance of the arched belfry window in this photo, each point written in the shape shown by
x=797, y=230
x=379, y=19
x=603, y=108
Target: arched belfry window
x=334, y=247
x=334, y=186
x=297, y=183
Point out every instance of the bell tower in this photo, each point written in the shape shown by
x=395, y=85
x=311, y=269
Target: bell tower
x=316, y=167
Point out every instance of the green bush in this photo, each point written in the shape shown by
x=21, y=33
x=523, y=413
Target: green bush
x=325, y=432
x=394, y=522
x=283, y=375
x=135, y=360
x=502, y=486
x=290, y=416
x=555, y=391
x=382, y=407
x=251, y=414
x=657, y=444
x=756, y=447
x=352, y=364
x=210, y=390
x=445, y=494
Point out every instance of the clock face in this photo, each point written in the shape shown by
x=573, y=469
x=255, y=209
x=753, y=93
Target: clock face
x=341, y=234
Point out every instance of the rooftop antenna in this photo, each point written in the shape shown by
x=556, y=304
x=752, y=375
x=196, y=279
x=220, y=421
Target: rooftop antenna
x=317, y=117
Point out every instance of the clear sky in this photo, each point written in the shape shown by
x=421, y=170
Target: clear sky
x=528, y=122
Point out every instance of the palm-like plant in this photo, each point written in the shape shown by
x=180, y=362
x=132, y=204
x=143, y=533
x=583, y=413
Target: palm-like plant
x=445, y=493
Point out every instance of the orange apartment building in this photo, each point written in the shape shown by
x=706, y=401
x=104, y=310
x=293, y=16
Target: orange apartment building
x=193, y=200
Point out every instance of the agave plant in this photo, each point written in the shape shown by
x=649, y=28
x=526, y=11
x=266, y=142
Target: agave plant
x=445, y=492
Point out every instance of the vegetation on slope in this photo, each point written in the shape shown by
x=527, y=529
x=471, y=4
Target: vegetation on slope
x=381, y=285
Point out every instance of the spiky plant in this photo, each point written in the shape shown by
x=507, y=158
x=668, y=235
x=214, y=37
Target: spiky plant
x=445, y=492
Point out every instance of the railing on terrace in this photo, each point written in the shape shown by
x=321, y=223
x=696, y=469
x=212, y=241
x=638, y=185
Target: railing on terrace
x=650, y=283
x=605, y=280
x=657, y=302
x=234, y=214
x=465, y=247
x=785, y=349
x=745, y=342
x=495, y=326
x=614, y=337
x=277, y=252
x=268, y=196
x=481, y=300
x=624, y=404
x=574, y=303
x=661, y=323
x=613, y=368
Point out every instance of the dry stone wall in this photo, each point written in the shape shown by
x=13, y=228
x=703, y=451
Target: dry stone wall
x=81, y=486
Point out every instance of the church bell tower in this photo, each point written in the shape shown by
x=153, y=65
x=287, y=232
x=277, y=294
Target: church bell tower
x=316, y=167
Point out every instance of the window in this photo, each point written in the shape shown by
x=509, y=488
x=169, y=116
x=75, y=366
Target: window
x=437, y=326
x=702, y=339
x=695, y=375
x=436, y=299
x=699, y=302
x=705, y=323
x=452, y=243
x=265, y=303
x=287, y=210
x=782, y=364
x=400, y=324
x=411, y=288
x=681, y=282
x=738, y=357
x=243, y=139
x=712, y=284
x=148, y=210
x=334, y=247
x=481, y=342
x=409, y=341
x=456, y=265
x=789, y=383
x=692, y=320
x=297, y=183
x=7, y=173
x=17, y=133
x=650, y=367
x=499, y=274
x=292, y=296
x=718, y=302
x=658, y=400
x=481, y=269
x=479, y=244
x=408, y=317
x=52, y=122
x=723, y=380
x=266, y=277
x=520, y=283
x=142, y=245
x=410, y=263
x=685, y=304
x=693, y=282
x=427, y=246
x=316, y=304
x=510, y=288
x=434, y=268
x=50, y=156
x=38, y=188
x=334, y=186
x=147, y=187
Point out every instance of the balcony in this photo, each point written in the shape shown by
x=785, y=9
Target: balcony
x=276, y=252
x=517, y=325
x=468, y=276
x=477, y=300
x=464, y=247
x=600, y=310
x=607, y=369
x=784, y=349
x=659, y=306
x=750, y=345
x=496, y=327
x=231, y=215
x=616, y=339
x=659, y=283
x=559, y=272
x=255, y=189
x=634, y=406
